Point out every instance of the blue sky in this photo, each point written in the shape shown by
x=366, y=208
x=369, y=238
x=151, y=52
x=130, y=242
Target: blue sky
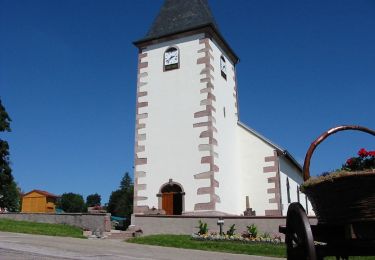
x=68, y=81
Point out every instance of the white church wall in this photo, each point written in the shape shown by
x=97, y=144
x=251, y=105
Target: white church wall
x=289, y=171
x=187, y=129
x=226, y=122
x=254, y=181
x=170, y=140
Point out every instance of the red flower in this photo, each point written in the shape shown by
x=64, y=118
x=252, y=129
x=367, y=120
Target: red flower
x=371, y=153
x=363, y=153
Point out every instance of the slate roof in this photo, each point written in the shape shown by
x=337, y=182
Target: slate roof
x=181, y=15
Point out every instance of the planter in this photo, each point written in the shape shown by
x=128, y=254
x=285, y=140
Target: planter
x=343, y=197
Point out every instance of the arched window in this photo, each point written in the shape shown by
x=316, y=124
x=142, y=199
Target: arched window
x=288, y=190
x=307, y=205
x=171, y=59
x=298, y=194
x=223, y=67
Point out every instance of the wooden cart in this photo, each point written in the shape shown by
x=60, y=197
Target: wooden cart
x=342, y=236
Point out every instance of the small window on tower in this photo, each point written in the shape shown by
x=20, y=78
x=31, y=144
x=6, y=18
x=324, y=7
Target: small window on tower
x=171, y=59
x=223, y=67
x=307, y=205
x=298, y=193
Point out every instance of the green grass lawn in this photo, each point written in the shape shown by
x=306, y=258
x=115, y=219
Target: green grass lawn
x=184, y=241
x=35, y=228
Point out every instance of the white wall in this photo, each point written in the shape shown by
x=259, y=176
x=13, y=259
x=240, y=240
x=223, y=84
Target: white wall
x=228, y=175
x=290, y=171
x=171, y=144
x=254, y=182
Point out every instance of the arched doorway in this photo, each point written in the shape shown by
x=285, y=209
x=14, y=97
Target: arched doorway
x=172, y=198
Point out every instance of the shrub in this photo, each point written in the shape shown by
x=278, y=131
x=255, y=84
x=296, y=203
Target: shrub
x=203, y=228
x=252, y=230
x=231, y=230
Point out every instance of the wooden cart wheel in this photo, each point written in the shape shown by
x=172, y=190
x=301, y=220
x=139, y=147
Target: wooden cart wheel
x=298, y=238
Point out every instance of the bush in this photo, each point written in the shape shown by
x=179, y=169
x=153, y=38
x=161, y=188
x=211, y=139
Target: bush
x=203, y=228
x=231, y=230
x=249, y=236
x=251, y=232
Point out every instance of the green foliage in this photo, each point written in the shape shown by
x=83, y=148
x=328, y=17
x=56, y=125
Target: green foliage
x=231, y=230
x=4, y=119
x=9, y=192
x=252, y=230
x=9, y=225
x=116, y=203
x=121, y=200
x=72, y=203
x=185, y=241
x=93, y=200
x=126, y=183
x=11, y=199
x=203, y=228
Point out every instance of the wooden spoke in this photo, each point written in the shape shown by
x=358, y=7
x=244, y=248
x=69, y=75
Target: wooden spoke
x=298, y=237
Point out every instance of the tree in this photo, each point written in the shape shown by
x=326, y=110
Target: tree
x=72, y=203
x=121, y=200
x=93, y=200
x=9, y=193
x=126, y=182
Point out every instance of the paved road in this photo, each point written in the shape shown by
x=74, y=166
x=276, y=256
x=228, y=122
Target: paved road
x=15, y=246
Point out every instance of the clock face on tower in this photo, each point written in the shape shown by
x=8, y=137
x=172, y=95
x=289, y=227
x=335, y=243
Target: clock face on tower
x=171, y=59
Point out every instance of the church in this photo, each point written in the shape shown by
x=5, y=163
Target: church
x=193, y=155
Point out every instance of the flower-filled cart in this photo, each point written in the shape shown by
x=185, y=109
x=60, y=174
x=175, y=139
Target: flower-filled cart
x=344, y=204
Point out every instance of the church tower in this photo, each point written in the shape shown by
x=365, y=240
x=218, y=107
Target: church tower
x=186, y=115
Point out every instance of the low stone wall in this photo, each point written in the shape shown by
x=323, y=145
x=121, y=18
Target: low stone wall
x=93, y=222
x=188, y=224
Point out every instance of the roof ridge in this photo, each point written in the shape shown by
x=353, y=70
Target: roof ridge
x=268, y=141
x=46, y=193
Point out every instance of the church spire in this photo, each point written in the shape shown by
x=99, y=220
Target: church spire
x=179, y=18
x=181, y=15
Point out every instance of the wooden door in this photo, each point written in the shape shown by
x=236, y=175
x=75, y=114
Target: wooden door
x=167, y=202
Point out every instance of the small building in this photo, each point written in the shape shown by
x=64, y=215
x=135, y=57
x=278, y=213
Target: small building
x=38, y=201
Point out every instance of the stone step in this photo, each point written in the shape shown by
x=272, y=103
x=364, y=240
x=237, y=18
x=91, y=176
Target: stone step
x=120, y=235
